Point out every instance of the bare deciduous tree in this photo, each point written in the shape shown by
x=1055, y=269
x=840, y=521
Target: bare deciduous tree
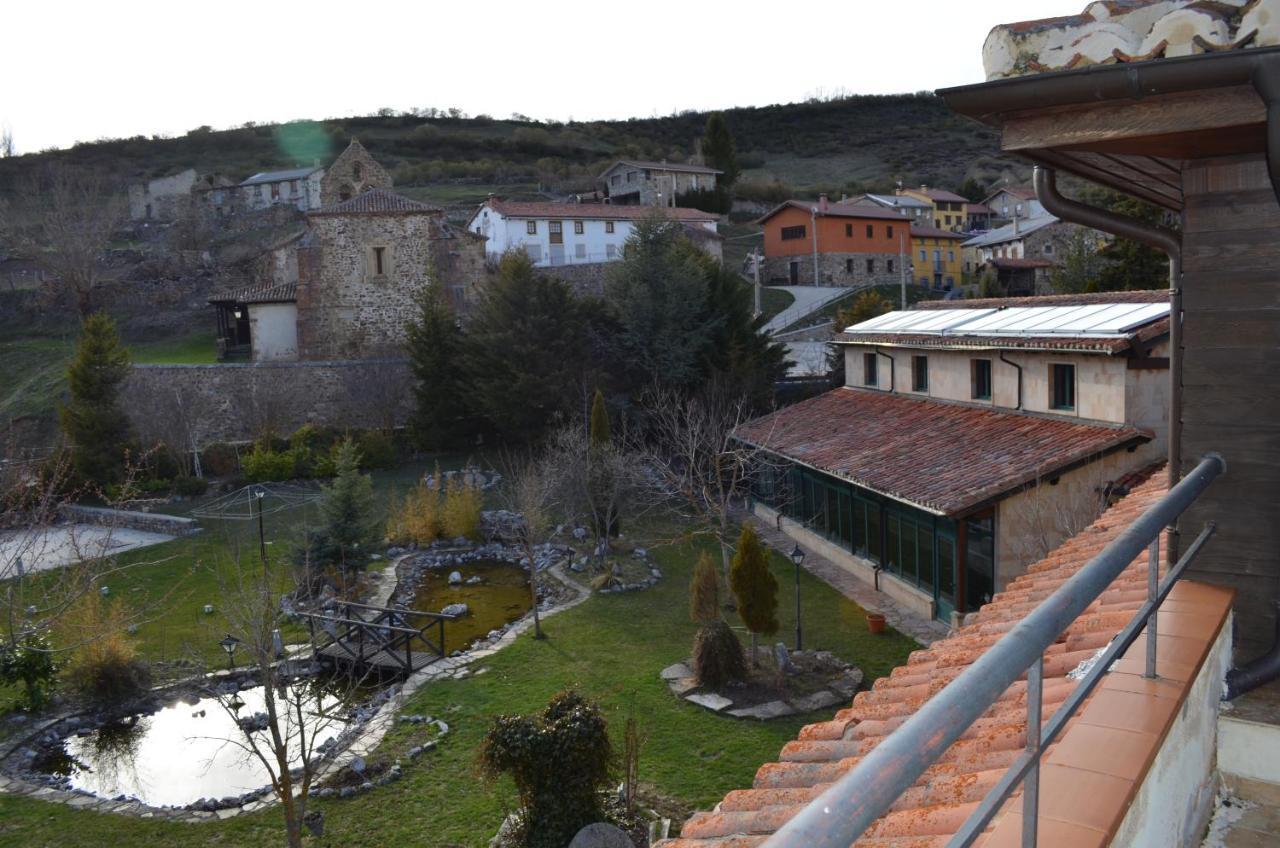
x=173, y=416
x=64, y=217
x=7, y=147
x=532, y=489
x=600, y=484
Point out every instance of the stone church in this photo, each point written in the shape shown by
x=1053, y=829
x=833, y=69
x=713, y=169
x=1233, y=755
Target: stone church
x=354, y=172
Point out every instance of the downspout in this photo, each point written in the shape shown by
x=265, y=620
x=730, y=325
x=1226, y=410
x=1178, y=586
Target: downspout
x=1163, y=239
x=892, y=382
x=814, y=214
x=1019, y=367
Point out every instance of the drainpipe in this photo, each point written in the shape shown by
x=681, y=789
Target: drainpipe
x=1019, y=367
x=1257, y=673
x=1163, y=239
x=814, y=215
x=880, y=352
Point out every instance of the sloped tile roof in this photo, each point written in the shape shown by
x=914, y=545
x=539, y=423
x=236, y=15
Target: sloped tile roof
x=1083, y=299
x=942, y=457
x=378, y=201
x=921, y=231
x=1011, y=232
x=280, y=176
x=929, y=813
x=837, y=210
x=262, y=293
x=1019, y=262
x=594, y=211
x=682, y=167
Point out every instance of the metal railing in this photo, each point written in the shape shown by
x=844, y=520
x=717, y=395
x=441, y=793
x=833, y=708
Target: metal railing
x=845, y=810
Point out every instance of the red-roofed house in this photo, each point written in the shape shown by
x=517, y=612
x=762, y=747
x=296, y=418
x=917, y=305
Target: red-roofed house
x=819, y=243
x=950, y=210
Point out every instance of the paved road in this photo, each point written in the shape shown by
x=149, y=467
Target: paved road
x=808, y=299
x=64, y=544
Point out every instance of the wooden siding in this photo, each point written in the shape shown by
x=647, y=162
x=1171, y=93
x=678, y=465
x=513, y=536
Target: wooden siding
x=1231, y=379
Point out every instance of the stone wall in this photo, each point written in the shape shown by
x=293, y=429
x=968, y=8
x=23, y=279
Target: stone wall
x=353, y=172
x=148, y=522
x=835, y=269
x=585, y=279
x=236, y=402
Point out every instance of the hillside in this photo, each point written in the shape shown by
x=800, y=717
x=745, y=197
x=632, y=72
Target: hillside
x=844, y=145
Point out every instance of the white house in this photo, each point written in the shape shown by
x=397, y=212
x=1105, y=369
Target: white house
x=299, y=187
x=917, y=210
x=555, y=234
x=1014, y=202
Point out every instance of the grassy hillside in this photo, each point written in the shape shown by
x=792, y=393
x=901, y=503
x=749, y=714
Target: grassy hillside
x=843, y=145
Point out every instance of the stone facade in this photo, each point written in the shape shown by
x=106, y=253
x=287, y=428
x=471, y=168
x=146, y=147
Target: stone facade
x=236, y=402
x=652, y=183
x=353, y=172
x=835, y=269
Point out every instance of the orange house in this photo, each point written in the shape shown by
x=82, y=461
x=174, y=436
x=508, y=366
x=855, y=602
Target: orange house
x=808, y=243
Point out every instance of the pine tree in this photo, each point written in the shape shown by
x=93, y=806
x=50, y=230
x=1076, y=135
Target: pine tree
x=704, y=591
x=435, y=355
x=93, y=419
x=754, y=587
x=601, y=429
x=351, y=520
x=718, y=149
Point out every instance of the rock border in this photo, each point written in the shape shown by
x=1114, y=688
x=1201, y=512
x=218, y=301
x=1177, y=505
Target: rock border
x=683, y=684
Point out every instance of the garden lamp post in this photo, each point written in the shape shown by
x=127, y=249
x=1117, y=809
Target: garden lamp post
x=797, y=556
x=259, y=493
x=229, y=644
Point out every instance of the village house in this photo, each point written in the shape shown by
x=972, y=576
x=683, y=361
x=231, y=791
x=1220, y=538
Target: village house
x=950, y=210
x=629, y=182
x=1013, y=202
x=559, y=234
x=297, y=187
x=808, y=243
x=969, y=439
x=162, y=198
x=980, y=217
x=918, y=211
x=936, y=257
x=1023, y=254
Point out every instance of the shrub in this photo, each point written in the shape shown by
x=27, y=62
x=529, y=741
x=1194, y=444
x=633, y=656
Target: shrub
x=559, y=761
x=463, y=503
x=104, y=665
x=220, y=459
x=704, y=591
x=416, y=520
x=31, y=663
x=754, y=587
x=377, y=449
x=190, y=487
x=350, y=511
x=263, y=463
x=717, y=655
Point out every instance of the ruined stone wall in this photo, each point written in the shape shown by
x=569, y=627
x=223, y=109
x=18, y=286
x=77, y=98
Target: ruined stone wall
x=835, y=269
x=237, y=402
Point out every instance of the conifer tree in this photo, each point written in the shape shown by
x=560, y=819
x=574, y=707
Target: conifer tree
x=704, y=591
x=93, y=420
x=718, y=149
x=435, y=355
x=754, y=587
x=601, y=429
x=351, y=521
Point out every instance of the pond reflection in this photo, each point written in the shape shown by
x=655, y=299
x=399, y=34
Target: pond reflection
x=499, y=597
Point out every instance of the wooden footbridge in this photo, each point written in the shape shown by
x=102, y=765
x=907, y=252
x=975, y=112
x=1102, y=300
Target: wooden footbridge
x=400, y=641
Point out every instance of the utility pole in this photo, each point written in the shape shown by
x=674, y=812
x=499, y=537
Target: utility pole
x=755, y=266
x=814, y=217
x=902, y=268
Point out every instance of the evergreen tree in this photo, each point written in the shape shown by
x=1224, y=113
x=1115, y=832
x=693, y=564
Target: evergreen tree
x=526, y=350
x=1130, y=265
x=601, y=429
x=1082, y=264
x=435, y=355
x=704, y=591
x=739, y=353
x=718, y=149
x=754, y=587
x=972, y=190
x=93, y=419
x=351, y=521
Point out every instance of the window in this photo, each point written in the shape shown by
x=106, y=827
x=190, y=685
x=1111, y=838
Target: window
x=577, y=228
x=555, y=230
x=580, y=250
x=275, y=191
x=889, y=265
x=531, y=228
x=631, y=176
x=615, y=179
x=378, y=263
x=871, y=266
x=870, y=231
x=848, y=230
x=790, y=233
x=919, y=373
x=848, y=266
x=1048, y=250
x=924, y=255
x=980, y=379
x=951, y=256
x=1062, y=387
x=610, y=251
x=869, y=369
x=608, y=226
x=356, y=171
x=889, y=231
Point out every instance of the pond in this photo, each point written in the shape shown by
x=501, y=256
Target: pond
x=499, y=597
x=185, y=752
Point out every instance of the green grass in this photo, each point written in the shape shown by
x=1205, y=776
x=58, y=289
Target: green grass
x=773, y=301
x=609, y=648
x=465, y=194
x=196, y=349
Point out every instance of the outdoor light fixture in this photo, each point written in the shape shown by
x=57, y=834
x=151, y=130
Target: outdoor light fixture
x=229, y=644
x=260, y=492
x=277, y=643
x=797, y=556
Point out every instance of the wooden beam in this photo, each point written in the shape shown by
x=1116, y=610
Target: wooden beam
x=1219, y=110
x=1071, y=164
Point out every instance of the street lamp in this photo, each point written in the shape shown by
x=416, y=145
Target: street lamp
x=797, y=556
x=258, y=494
x=229, y=644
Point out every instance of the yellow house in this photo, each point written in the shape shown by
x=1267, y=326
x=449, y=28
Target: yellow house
x=936, y=260
x=950, y=211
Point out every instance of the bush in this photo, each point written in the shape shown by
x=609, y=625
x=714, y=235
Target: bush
x=190, y=487
x=377, y=449
x=31, y=664
x=104, y=665
x=416, y=520
x=717, y=655
x=220, y=459
x=264, y=464
x=704, y=591
x=463, y=503
x=714, y=200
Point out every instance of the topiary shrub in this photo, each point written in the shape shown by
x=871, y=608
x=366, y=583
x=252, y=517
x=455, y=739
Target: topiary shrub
x=559, y=760
x=717, y=655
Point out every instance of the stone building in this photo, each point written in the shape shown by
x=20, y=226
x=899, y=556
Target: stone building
x=630, y=182
x=161, y=199
x=297, y=187
x=851, y=245
x=353, y=172
x=1024, y=253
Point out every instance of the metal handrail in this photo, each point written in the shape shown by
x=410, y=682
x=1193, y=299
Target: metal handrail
x=849, y=806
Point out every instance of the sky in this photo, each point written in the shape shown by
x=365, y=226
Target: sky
x=131, y=68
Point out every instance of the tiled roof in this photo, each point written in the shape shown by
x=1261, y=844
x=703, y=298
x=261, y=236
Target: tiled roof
x=593, y=211
x=1123, y=31
x=1088, y=778
x=280, y=176
x=943, y=457
x=1018, y=262
x=940, y=194
x=378, y=201
x=980, y=209
x=682, y=167
x=283, y=293
x=900, y=200
x=1023, y=192
x=919, y=231
x=1084, y=299
x=1012, y=232
x=837, y=210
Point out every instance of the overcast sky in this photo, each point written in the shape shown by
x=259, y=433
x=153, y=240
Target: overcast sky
x=85, y=70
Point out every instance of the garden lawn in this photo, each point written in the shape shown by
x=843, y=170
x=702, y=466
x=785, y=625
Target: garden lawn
x=610, y=648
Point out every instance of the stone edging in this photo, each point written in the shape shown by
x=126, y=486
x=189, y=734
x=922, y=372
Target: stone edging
x=683, y=684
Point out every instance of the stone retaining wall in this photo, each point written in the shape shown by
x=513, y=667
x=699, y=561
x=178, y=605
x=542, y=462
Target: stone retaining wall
x=236, y=402
x=149, y=522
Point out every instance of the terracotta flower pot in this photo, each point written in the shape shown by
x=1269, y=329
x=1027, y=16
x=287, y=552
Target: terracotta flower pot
x=875, y=622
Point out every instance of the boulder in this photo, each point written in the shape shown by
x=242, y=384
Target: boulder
x=783, y=659
x=455, y=578
x=601, y=835
x=456, y=609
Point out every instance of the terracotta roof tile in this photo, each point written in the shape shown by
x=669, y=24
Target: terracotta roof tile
x=594, y=211
x=378, y=201
x=929, y=813
x=835, y=210
x=960, y=455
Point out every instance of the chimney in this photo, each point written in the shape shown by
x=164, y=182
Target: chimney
x=822, y=203
x=924, y=188
x=1015, y=223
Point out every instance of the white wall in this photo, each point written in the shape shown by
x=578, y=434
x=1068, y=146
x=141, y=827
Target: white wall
x=273, y=329
x=594, y=244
